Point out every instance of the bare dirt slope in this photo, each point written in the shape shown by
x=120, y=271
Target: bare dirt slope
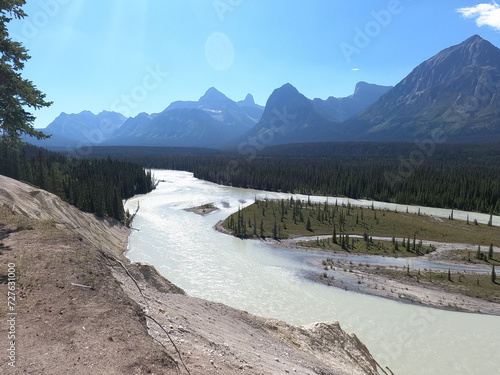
x=82, y=308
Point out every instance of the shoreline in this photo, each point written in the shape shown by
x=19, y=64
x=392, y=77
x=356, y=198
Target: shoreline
x=385, y=280
x=359, y=280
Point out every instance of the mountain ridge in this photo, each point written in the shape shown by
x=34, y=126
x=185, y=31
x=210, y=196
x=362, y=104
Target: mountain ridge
x=453, y=93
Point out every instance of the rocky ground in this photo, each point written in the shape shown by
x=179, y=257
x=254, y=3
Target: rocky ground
x=203, y=210
x=82, y=308
x=385, y=280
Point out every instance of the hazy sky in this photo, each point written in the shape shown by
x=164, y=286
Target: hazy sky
x=135, y=56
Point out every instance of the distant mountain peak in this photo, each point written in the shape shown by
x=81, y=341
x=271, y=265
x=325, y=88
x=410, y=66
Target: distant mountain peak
x=248, y=100
x=289, y=88
x=474, y=39
x=253, y=110
x=213, y=95
x=474, y=51
x=362, y=85
x=213, y=91
x=476, y=44
x=287, y=95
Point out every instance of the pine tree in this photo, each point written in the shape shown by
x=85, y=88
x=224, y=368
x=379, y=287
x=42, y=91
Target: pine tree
x=16, y=93
x=308, y=225
x=493, y=274
x=490, y=252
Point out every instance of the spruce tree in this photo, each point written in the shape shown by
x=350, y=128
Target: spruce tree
x=308, y=225
x=16, y=93
x=490, y=252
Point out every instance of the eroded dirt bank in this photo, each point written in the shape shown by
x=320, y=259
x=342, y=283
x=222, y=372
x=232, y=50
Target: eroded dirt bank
x=83, y=308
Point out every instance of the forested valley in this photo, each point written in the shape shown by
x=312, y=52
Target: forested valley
x=96, y=186
x=455, y=176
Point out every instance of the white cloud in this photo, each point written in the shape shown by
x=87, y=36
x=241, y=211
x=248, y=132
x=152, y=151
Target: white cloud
x=485, y=14
x=355, y=69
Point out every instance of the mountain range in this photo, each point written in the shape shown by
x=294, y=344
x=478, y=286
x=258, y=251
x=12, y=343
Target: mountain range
x=212, y=121
x=290, y=117
x=453, y=96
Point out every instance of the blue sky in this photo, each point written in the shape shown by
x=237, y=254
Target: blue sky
x=138, y=56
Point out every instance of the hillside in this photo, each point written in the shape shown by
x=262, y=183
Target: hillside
x=80, y=310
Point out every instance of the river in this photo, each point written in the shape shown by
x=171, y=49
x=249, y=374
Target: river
x=253, y=276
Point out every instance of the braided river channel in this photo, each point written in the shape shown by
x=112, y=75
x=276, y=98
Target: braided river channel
x=254, y=276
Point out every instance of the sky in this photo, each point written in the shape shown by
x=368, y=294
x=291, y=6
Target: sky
x=133, y=56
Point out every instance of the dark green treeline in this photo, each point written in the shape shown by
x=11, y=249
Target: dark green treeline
x=96, y=186
x=465, y=177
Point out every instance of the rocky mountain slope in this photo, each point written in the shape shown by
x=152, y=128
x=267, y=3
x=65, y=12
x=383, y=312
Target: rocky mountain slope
x=341, y=109
x=83, y=308
x=453, y=96
x=81, y=129
x=290, y=117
